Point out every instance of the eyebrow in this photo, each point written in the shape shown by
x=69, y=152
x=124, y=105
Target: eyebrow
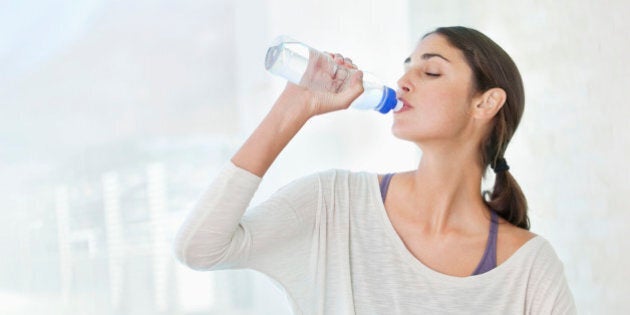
x=426, y=56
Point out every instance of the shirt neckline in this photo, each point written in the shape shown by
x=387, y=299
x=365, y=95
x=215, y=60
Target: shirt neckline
x=519, y=254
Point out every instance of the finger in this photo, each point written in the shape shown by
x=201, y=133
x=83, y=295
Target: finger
x=348, y=62
x=351, y=91
x=335, y=70
x=342, y=74
x=339, y=58
x=356, y=84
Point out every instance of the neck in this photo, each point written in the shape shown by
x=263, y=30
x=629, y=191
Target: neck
x=446, y=190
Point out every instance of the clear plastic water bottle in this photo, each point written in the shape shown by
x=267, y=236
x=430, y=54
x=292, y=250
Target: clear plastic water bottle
x=289, y=59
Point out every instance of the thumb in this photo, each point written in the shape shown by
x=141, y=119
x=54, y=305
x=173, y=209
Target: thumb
x=350, y=92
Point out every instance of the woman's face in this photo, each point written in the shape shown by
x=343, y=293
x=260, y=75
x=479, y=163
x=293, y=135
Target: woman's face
x=436, y=88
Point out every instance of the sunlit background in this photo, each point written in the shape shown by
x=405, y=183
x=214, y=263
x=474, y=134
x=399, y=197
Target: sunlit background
x=115, y=115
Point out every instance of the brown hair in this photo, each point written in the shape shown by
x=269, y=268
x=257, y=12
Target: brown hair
x=492, y=67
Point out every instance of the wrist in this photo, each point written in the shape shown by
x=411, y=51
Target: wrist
x=295, y=103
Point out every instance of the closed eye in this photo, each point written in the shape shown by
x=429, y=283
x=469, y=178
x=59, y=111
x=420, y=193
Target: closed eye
x=432, y=74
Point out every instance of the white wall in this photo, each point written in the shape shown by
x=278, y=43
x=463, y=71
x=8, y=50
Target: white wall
x=570, y=151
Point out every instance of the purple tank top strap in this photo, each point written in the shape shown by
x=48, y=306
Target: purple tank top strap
x=489, y=259
x=385, y=185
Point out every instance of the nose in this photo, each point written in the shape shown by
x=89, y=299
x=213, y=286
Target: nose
x=404, y=86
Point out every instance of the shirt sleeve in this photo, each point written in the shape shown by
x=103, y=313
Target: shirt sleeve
x=548, y=290
x=273, y=237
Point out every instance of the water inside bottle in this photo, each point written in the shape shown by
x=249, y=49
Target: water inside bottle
x=288, y=60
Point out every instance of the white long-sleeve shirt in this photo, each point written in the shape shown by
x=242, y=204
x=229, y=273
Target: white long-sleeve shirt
x=327, y=241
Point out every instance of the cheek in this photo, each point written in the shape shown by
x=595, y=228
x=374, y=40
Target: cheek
x=440, y=113
x=444, y=108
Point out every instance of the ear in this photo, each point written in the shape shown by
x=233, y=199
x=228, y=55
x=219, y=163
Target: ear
x=489, y=103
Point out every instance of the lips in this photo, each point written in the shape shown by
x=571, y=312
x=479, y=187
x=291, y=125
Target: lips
x=405, y=107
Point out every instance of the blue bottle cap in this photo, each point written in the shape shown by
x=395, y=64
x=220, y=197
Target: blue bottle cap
x=389, y=101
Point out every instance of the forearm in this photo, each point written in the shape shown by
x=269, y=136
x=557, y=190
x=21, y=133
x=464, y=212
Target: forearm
x=282, y=123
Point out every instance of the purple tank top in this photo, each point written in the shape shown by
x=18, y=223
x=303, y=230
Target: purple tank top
x=489, y=259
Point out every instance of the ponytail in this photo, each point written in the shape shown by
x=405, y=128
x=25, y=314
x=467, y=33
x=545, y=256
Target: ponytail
x=508, y=200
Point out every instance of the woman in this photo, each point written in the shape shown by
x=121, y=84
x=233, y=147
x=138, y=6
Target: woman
x=422, y=241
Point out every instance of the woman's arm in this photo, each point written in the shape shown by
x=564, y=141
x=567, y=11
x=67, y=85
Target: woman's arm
x=217, y=235
x=290, y=112
x=281, y=124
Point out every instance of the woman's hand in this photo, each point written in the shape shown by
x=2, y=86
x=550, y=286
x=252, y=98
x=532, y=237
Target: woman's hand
x=296, y=105
x=327, y=86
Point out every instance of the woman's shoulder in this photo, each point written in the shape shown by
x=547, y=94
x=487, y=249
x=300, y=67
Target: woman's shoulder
x=510, y=239
x=527, y=248
x=333, y=178
x=398, y=174
x=340, y=179
x=537, y=263
x=349, y=174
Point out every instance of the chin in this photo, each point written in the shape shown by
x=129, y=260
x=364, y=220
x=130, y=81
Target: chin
x=405, y=133
x=413, y=135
